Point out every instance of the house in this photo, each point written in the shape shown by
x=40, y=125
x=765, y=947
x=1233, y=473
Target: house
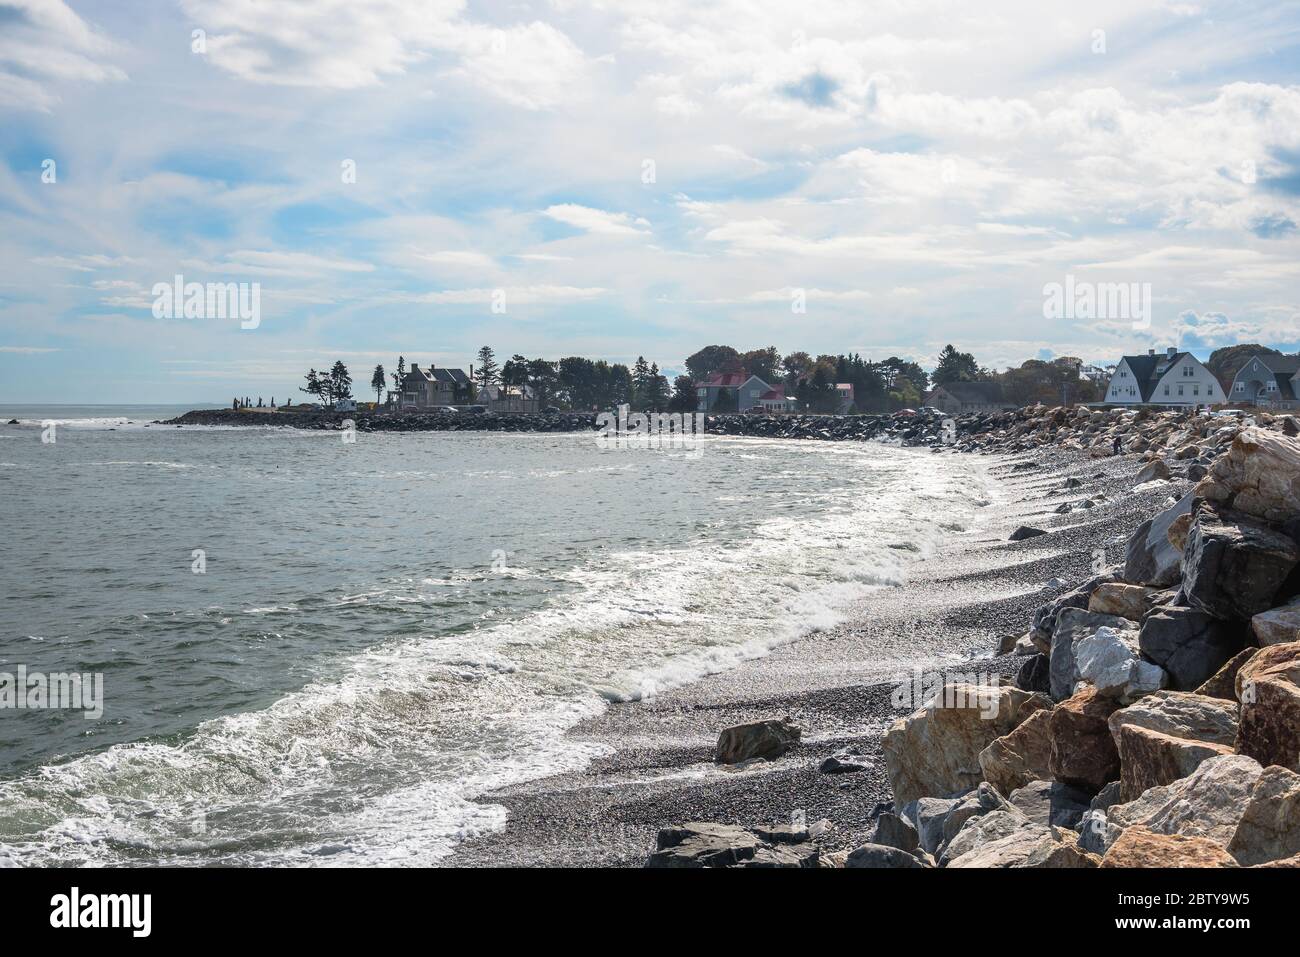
x=1267, y=381
x=954, y=398
x=745, y=389
x=430, y=388
x=775, y=400
x=507, y=398
x=1170, y=379
x=844, y=397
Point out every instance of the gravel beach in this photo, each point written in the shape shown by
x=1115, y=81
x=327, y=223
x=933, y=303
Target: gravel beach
x=836, y=684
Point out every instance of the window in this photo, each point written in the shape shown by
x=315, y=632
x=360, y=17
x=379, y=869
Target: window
x=1166, y=390
x=1180, y=389
x=1196, y=390
x=1209, y=390
x=1241, y=387
x=1272, y=386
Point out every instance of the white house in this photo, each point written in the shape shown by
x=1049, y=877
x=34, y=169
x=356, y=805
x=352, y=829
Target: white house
x=1267, y=381
x=1172, y=379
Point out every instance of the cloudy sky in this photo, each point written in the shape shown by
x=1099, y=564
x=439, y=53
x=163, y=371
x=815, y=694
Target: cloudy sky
x=632, y=178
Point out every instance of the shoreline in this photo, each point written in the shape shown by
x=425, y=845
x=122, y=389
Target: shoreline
x=948, y=614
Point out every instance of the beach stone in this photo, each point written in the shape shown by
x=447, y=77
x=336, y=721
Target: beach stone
x=1189, y=644
x=929, y=814
x=1121, y=599
x=935, y=751
x=1035, y=674
x=1150, y=759
x=1270, y=827
x=1268, y=687
x=1045, y=616
x=1181, y=714
x=1073, y=624
x=1207, y=803
x=880, y=856
x=1277, y=625
x=703, y=845
x=1258, y=475
x=982, y=800
x=1060, y=849
x=1233, y=566
x=1083, y=753
x=1026, y=531
x=1153, y=470
x=1051, y=802
x=768, y=739
x=1096, y=833
x=1009, y=850
x=983, y=829
x=1109, y=660
x=1223, y=684
x=893, y=831
x=845, y=764
x=1138, y=847
x=1150, y=558
x=1017, y=758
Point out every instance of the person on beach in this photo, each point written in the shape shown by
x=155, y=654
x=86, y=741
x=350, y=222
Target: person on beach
x=1117, y=445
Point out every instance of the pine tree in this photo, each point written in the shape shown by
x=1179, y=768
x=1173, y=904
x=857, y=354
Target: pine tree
x=377, y=383
x=487, y=366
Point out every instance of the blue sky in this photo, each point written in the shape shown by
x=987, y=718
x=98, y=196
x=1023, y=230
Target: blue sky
x=634, y=179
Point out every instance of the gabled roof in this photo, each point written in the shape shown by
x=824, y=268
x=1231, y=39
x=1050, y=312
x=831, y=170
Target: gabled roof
x=1278, y=364
x=774, y=393
x=1148, y=370
x=451, y=375
x=725, y=380
x=985, y=393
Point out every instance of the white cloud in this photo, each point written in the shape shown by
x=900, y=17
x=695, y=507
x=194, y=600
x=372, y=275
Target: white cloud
x=597, y=220
x=43, y=43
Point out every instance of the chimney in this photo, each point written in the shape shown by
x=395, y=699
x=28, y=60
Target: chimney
x=1151, y=352
x=415, y=367
x=1171, y=351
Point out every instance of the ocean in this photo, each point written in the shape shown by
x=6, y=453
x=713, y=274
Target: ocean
x=319, y=652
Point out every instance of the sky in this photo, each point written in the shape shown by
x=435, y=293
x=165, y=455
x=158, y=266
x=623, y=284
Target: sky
x=618, y=179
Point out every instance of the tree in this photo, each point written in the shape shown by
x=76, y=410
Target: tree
x=712, y=359
x=340, y=382
x=400, y=374
x=956, y=366
x=545, y=380
x=487, y=366
x=684, y=398
x=317, y=385
x=763, y=363
x=796, y=365
x=377, y=382
x=659, y=396
x=641, y=384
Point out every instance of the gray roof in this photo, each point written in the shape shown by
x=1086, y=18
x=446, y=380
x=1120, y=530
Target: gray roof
x=451, y=375
x=1284, y=369
x=1148, y=370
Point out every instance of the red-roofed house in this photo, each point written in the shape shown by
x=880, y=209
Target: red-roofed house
x=745, y=389
x=774, y=400
x=844, y=392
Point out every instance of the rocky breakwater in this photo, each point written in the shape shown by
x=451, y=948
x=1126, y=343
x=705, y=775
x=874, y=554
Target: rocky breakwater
x=391, y=422
x=1156, y=719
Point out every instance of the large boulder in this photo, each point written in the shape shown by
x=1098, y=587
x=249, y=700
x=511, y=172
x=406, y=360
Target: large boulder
x=1035, y=675
x=1051, y=802
x=767, y=739
x=993, y=830
x=1153, y=470
x=1150, y=759
x=1071, y=625
x=880, y=856
x=1259, y=475
x=725, y=845
x=1268, y=687
x=1270, y=827
x=1277, y=625
x=1188, y=644
x=1059, y=849
x=1181, y=714
x=894, y=831
x=1119, y=598
x=1233, y=566
x=1207, y=803
x=1015, y=759
x=1138, y=847
x=1044, y=618
x=1110, y=660
x=935, y=751
x=1083, y=753
x=1150, y=558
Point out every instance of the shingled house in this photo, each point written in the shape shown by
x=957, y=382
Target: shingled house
x=1267, y=381
x=430, y=388
x=1172, y=378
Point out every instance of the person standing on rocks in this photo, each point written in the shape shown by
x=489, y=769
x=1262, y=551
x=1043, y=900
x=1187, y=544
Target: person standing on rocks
x=1117, y=446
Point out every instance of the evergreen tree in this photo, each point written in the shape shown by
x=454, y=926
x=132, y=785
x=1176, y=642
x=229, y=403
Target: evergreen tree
x=377, y=382
x=487, y=366
x=641, y=385
x=340, y=382
x=956, y=366
x=400, y=374
x=684, y=398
